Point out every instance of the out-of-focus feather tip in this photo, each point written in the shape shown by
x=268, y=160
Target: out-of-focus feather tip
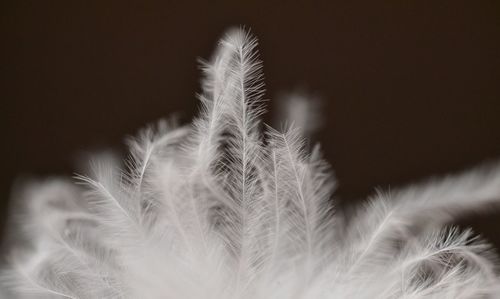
x=220, y=209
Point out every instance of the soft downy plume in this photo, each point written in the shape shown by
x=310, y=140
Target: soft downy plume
x=228, y=208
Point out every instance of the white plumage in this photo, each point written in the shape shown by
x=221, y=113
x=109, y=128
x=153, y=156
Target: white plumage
x=220, y=210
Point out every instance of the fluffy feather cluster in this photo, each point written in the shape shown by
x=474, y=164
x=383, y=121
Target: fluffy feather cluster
x=218, y=209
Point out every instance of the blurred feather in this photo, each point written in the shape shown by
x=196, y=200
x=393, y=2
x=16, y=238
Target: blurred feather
x=227, y=209
x=302, y=109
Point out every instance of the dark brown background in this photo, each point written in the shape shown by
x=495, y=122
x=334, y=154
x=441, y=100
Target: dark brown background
x=411, y=88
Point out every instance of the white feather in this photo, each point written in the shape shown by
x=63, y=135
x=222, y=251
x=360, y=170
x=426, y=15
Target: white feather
x=222, y=209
